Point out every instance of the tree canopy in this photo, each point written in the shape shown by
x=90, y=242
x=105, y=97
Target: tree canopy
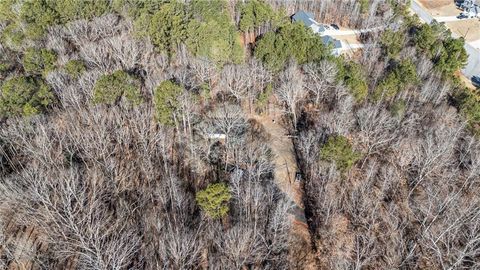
x=166, y=98
x=211, y=33
x=214, y=200
x=292, y=40
x=39, y=61
x=254, y=14
x=75, y=68
x=446, y=52
x=110, y=88
x=392, y=42
x=352, y=75
x=403, y=75
x=24, y=96
x=339, y=150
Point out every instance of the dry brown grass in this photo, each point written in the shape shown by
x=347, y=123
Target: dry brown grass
x=430, y=4
x=470, y=29
x=440, y=7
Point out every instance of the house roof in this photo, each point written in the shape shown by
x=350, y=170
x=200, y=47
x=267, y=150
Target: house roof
x=305, y=17
x=330, y=40
x=321, y=28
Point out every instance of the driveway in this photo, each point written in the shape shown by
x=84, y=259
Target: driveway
x=473, y=66
x=335, y=33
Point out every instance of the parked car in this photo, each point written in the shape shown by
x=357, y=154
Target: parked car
x=334, y=26
x=462, y=16
x=476, y=81
x=459, y=3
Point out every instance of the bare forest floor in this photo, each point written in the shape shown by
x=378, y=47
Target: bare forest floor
x=27, y=243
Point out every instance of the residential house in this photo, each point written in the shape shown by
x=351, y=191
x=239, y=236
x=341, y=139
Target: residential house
x=335, y=44
x=307, y=19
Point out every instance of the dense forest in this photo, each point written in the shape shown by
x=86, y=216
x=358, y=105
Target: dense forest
x=149, y=134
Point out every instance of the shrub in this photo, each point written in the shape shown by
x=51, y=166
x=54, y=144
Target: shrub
x=75, y=68
x=24, y=96
x=39, y=61
x=166, y=102
x=264, y=96
x=214, y=200
x=339, y=150
x=111, y=87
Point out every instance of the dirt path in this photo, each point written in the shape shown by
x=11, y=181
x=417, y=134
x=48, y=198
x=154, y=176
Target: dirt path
x=285, y=172
x=285, y=162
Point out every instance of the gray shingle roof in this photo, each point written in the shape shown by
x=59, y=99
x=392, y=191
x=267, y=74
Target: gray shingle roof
x=305, y=17
x=337, y=44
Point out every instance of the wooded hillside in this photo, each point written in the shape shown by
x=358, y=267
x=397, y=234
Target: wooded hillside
x=221, y=135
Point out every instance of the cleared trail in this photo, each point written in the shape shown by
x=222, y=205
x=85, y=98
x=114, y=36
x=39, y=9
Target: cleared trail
x=285, y=162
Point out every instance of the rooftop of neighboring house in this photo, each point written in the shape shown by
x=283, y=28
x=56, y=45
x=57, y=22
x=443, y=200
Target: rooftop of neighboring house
x=305, y=17
x=330, y=40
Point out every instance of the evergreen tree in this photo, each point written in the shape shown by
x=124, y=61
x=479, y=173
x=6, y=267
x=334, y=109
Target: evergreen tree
x=37, y=16
x=111, y=87
x=254, y=13
x=402, y=76
x=211, y=33
x=291, y=40
x=24, y=96
x=166, y=102
x=75, y=68
x=214, y=200
x=167, y=27
x=339, y=150
x=39, y=61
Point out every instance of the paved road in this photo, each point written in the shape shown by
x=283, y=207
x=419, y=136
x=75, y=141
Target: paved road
x=473, y=65
x=423, y=14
